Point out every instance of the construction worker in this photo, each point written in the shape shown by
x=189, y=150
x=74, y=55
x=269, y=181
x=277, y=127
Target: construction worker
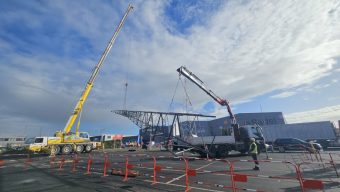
x=253, y=152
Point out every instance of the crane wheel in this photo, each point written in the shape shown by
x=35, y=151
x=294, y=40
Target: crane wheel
x=55, y=149
x=66, y=149
x=88, y=148
x=79, y=148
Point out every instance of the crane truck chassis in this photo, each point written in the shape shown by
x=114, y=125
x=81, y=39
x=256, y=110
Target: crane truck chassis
x=65, y=141
x=236, y=138
x=54, y=145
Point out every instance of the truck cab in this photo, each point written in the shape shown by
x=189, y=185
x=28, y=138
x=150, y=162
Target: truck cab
x=251, y=131
x=38, y=144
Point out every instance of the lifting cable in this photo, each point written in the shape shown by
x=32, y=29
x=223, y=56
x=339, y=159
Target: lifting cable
x=187, y=98
x=191, y=123
x=172, y=100
x=127, y=72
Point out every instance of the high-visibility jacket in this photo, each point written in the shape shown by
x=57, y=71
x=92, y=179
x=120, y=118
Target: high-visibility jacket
x=253, y=148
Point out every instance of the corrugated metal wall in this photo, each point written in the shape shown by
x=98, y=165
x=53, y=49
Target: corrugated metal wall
x=311, y=130
x=273, y=124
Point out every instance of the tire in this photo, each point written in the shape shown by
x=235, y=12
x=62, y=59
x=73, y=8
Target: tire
x=88, y=148
x=282, y=149
x=79, y=148
x=55, y=149
x=66, y=149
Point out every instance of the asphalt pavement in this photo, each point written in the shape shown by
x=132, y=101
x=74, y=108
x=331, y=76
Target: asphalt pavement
x=160, y=171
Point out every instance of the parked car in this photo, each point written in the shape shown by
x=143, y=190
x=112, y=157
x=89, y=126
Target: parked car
x=294, y=144
x=325, y=143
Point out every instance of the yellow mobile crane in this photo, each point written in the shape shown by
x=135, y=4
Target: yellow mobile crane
x=66, y=141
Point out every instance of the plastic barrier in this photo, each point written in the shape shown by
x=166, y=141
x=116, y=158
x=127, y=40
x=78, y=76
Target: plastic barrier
x=128, y=170
x=106, y=165
x=309, y=181
x=61, y=162
x=146, y=168
x=188, y=173
x=156, y=168
x=28, y=161
x=333, y=164
x=52, y=161
x=327, y=161
x=75, y=162
x=244, y=176
x=89, y=164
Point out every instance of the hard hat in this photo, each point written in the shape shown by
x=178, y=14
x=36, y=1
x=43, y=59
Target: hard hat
x=252, y=139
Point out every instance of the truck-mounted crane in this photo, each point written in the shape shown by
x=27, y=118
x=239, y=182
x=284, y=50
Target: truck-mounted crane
x=236, y=138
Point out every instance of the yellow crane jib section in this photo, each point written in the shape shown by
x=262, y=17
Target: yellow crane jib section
x=78, y=108
x=93, y=76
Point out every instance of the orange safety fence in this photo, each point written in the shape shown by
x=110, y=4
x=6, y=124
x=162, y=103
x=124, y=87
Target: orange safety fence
x=28, y=162
x=106, y=165
x=327, y=161
x=317, y=174
x=89, y=164
x=74, y=163
x=285, y=175
x=158, y=170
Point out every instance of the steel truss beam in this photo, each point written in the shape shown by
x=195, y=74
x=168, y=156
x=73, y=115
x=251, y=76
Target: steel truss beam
x=152, y=121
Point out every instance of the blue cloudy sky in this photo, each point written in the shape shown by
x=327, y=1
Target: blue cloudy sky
x=260, y=55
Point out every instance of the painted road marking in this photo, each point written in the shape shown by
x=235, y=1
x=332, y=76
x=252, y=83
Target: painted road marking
x=171, y=184
x=177, y=178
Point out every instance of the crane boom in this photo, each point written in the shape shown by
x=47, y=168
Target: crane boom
x=89, y=84
x=192, y=77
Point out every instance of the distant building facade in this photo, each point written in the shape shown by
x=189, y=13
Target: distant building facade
x=273, y=123
x=12, y=141
x=304, y=131
x=221, y=125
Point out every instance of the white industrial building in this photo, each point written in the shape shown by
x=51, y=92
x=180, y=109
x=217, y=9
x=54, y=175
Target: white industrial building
x=11, y=141
x=304, y=131
x=273, y=124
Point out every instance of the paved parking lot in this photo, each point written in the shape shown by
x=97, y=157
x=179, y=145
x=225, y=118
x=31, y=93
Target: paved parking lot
x=68, y=173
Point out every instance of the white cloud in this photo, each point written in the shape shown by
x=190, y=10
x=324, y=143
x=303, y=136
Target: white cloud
x=284, y=95
x=241, y=50
x=329, y=113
